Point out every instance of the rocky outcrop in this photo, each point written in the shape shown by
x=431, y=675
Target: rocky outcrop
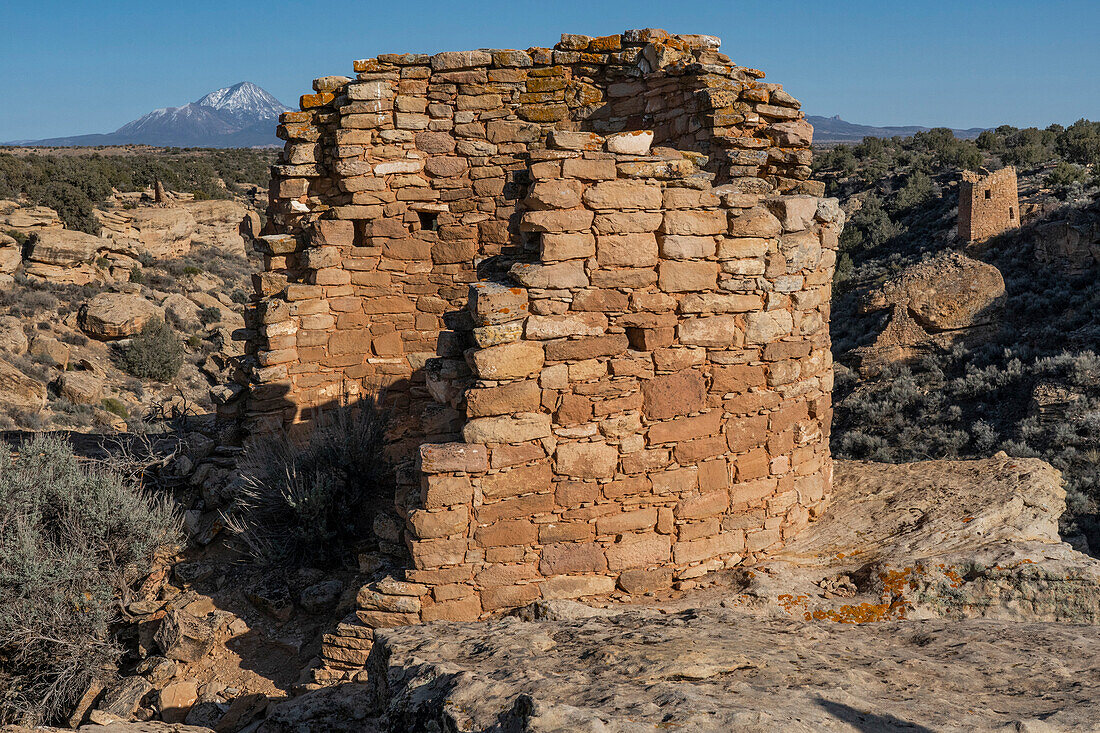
x=955, y=539
x=945, y=572
x=27, y=219
x=63, y=256
x=713, y=669
x=116, y=315
x=217, y=223
x=933, y=305
x=20, y=391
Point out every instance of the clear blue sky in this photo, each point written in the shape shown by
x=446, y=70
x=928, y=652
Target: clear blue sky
x=74, y=67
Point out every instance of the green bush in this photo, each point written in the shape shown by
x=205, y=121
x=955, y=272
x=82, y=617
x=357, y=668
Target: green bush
x=73, y=540
x=315, y=503
x=209, y=315
x=115, y=406
x=155, y=353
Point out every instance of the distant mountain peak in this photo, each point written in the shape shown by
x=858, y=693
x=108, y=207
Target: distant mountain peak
x=244, y=99
x=241, y=115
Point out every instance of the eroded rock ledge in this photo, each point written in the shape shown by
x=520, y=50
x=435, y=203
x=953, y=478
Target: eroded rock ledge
x=931, y=596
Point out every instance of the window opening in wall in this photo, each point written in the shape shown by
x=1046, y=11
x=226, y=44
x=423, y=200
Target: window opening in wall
x=1011, y=213
x=429, y=221
x=988, y=194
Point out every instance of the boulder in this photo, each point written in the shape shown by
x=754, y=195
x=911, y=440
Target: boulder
x=27, y=219
x=182, y=310
x=164, y=232
x=81, y=388
x=20, y=391
x=176, y=699
x=12, y=337
x=11, y=254
x=184, y=637
x=62, y=247
x=218, y=223
x=949, y=299
x=116, y=315
x=123, y=698
x=47, y=346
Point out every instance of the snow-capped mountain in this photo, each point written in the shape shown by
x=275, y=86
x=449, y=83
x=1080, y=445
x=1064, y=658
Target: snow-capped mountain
x=244, y=101
x=240, y=116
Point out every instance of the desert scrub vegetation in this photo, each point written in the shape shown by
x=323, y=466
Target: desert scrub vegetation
x=74, y=539
x=314, y=503
x=155, y=353
x=73, y=184
x=972, y=401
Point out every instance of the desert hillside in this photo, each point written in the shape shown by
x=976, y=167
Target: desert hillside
x=947, y=348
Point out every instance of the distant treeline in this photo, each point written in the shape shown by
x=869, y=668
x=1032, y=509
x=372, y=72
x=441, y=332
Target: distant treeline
x=873, y=159
x=73, y=184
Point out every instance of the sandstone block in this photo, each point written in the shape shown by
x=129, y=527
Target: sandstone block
x=618, y=195
x=626, y=250
x=727, y=543
x=680, y=247
x=432, y=524
x=451, y=60
x=709, y=331
x=427, y=554
x=636, y=142
x=517, y=481
x=669, y=395
x=796, y=134
x=519, y=429
x=588, y=347
x=720, y=303
x=639, y=551
x=562, y=275
x=627, y=222
x=675, y=276
x=554, y=327
x=762, y=327
x=462, y=609
x=506, y=533
x=573, y=220
x=632, y=521
x=586, y=460
x=795, y=213
x=492, y=303
x=508, y=361
x=557, y=247
x=555, y=194
x=572, y=557
x=754, y=222
x=577, y=586
x=522, y=396
x=694, y=223
x=593, y=170
x=453, y=458
x=445, y=491
x=640, y=581
x=568, y=140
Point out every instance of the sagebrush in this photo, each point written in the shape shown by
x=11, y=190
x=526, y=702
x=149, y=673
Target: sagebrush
x=155, y=353
x=314, y=503
x=74, y=538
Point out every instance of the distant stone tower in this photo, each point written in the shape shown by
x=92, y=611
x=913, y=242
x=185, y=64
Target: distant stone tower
x=988, y=204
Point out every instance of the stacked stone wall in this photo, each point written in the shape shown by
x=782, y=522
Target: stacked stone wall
x=594, y=283
x=989, y=204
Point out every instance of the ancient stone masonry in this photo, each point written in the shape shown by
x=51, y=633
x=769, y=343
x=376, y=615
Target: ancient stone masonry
x=989, y=204
x=594, y=281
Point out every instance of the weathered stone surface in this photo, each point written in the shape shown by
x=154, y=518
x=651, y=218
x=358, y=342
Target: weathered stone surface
x=19, y=390
x=508, y=361
x=62, y=247
x=116, y=315
x=518, y=429
x=630, y=143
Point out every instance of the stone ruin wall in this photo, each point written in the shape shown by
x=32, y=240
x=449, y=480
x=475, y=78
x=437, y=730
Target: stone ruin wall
x=989, y=204
x=594, y=281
